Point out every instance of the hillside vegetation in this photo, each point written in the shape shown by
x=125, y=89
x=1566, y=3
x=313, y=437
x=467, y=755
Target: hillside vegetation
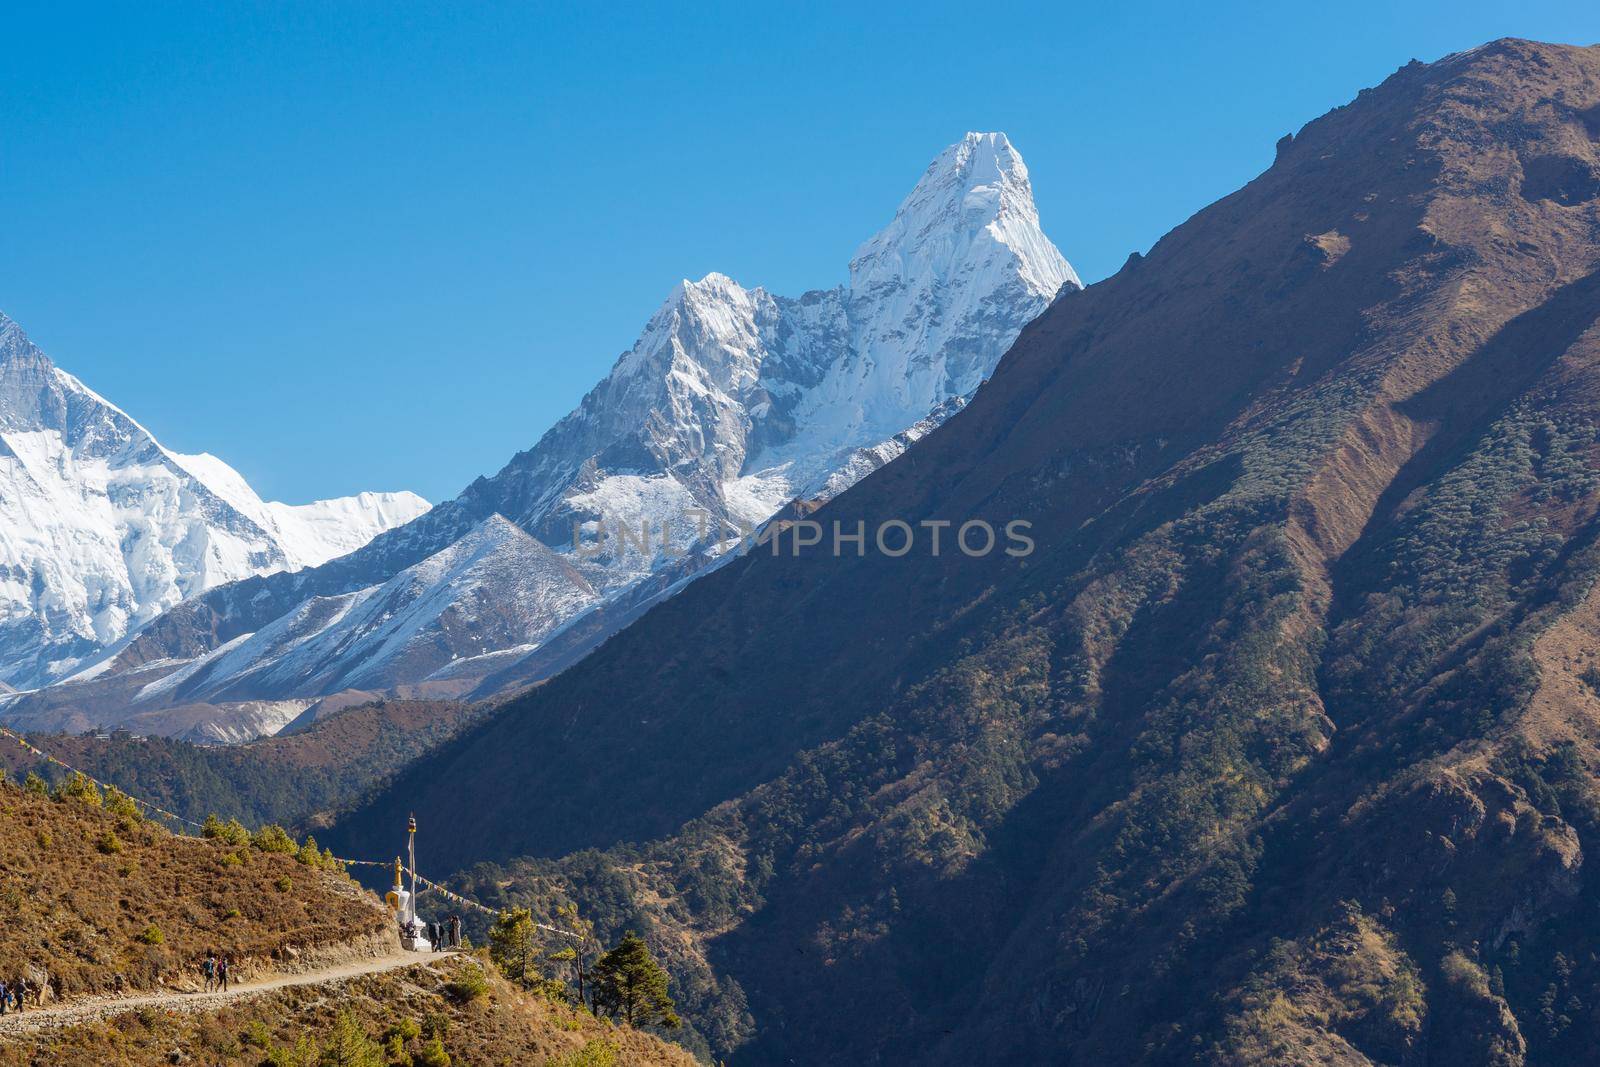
x=418, y=1016
x=96, y=899
x=296, y=779
x=99, y=903
x=1282, y=747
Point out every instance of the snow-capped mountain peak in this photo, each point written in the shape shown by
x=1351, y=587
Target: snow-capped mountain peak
x=977, y=191
x=102, y=529
x=309, y=534
x=732, y=402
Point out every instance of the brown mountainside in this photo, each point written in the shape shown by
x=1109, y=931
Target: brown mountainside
x=100, y=900
x=108, y=918
x=409, y=1015
x=1281, y=747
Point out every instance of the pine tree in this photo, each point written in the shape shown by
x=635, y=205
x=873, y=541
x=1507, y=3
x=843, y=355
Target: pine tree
x=349, y=1046
x=578, y=949
x=629, y=983
x=79, y=786
x=511, y=946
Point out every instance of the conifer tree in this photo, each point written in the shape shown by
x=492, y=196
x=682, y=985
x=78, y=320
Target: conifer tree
x=630, y=984
x=578, y=949
x=511, y=946
x=349, y=1046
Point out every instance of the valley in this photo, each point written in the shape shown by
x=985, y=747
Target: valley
x=1264, y=731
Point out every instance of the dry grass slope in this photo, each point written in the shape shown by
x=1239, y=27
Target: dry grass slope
x=394, y=1017
x=89, y=895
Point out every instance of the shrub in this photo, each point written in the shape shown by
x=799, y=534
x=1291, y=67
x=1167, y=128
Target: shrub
x=304, y=1054
x=1465, y=975
x=596, y=1053
x=433, y=1055
x=394, y=1050
x=284, y=883
x=406, y=1030
x=152, y=935
x=122, y=805
x=35, y=785
x=308, y=854
x=274, y=838
x=108, y=844
x=468, y=986
x=231, y=832
x=79, y=786
x=257, y=1035
x=349, y=1046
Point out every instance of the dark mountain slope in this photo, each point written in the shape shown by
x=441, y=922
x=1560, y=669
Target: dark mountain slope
x=1281, y=745
x=297, y=778
x=1135, y=378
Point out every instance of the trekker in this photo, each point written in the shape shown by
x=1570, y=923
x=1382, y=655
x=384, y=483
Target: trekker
x=5, y=997
x=222, y=973
x=209, y=969
x=455, y=931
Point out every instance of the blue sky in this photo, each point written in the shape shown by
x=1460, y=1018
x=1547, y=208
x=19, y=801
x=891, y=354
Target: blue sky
x=347, y=246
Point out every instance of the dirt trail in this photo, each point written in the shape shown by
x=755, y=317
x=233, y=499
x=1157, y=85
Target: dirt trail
x=89, y=1009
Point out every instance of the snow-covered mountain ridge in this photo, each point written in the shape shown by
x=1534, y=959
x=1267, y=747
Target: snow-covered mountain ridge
x=736, y=400
x=103, y=529
x=733, y=402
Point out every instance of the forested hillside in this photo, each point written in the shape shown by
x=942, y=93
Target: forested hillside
x=1282, y=745
x=109, y=917
x=296, y=778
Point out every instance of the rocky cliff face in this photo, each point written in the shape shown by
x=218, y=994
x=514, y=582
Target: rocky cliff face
x=102, y=529
x=732, y=402
x=1280, y=747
